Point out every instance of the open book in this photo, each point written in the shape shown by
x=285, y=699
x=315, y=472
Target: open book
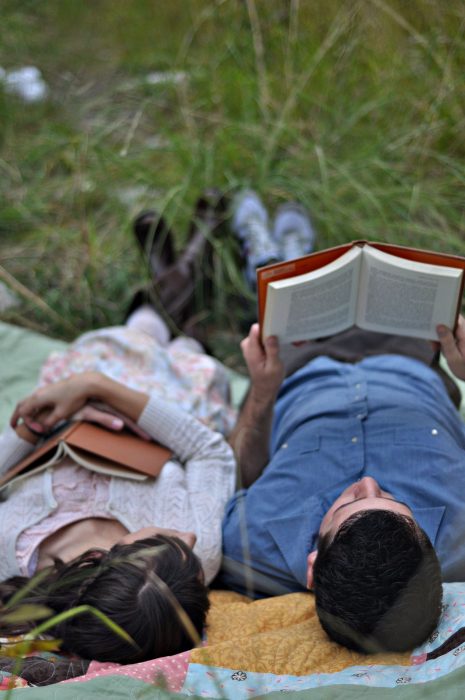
x=375, y=286
x=94, y=447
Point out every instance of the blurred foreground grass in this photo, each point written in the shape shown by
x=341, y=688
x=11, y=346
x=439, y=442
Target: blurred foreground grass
x=355, y=108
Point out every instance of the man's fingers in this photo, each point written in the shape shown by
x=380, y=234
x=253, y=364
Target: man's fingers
x=251, y=346
x=460, y=335
x=272, y=349
x=450, y=350
x=272, y=345
x=447, y=340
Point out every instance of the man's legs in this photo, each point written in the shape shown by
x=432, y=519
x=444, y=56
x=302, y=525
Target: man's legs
x=290, y=235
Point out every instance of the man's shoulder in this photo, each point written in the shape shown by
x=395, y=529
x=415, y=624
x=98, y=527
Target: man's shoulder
x=272, y=542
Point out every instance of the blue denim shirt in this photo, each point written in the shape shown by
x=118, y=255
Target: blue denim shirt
x=388, y=417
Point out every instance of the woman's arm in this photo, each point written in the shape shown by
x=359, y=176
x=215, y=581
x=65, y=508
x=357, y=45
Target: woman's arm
x=67, y=399
x=15, y=445
x=202, y=490
x=49, y=405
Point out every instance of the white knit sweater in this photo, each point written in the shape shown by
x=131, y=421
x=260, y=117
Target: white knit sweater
x=190, y=493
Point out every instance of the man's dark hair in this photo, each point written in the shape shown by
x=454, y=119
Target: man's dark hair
x=378, y=584
x=153, y=588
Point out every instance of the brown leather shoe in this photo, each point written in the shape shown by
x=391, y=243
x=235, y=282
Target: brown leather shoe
x=155, y=239
x=181, y=289
x=210, y=212
x=185, y=288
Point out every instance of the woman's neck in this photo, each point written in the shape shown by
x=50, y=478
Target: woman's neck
x=70, y=541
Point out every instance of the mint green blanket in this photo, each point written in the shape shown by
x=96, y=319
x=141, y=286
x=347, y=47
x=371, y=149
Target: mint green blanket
x=450, y=687
x=22, y=353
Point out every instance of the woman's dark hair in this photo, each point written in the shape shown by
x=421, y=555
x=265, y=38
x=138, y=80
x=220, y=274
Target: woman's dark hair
x=148, y=588
x=378, y=584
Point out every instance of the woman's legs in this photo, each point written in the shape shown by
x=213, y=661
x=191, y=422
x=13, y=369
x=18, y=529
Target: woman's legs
x=146, y=319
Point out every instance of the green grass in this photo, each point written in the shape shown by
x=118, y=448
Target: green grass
x=356, y=109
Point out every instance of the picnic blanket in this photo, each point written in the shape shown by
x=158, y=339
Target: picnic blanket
x=276, y=645
x=252, y=648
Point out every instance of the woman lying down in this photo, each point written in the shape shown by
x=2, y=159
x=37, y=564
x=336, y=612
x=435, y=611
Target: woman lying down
x=142, y=552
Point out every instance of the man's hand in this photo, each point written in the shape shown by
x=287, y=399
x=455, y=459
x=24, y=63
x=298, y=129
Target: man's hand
x=265, y=367
x=453, y=347
x=251, y=435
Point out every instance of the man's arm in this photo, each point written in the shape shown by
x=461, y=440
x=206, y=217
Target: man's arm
x=251, y=437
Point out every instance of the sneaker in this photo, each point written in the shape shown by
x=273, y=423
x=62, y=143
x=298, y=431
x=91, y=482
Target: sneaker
x=293, y=231
x=250, y=225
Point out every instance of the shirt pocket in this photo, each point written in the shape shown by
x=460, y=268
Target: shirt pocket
x=301, y=445
x=426, y=467
x=428, y=437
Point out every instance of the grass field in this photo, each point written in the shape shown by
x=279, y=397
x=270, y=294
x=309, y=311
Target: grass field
x=355, y=108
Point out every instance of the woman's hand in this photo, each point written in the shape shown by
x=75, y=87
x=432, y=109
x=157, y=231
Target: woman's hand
x=101, y=413
x=453, y=347
x=49, y=405
x=86, y=396
x=92, y=412
x=265, y=367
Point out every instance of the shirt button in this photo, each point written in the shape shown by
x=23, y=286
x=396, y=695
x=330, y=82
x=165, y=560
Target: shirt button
x=284, y=445
x=360, y=416
x=354, y=439
x=357, y=386
x=434, y=431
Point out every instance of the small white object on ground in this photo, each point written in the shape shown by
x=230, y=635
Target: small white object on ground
x=26, y=82
x=7, y=298
x=169, y=76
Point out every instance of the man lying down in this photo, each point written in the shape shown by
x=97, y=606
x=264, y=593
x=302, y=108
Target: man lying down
x=353, y=474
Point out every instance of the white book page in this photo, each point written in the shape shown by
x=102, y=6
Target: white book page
x=318, y=303
x=101, y=465
x=53, y=461
x=405, y=297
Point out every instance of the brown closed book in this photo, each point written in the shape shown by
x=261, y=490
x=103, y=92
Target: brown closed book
x=94, y=447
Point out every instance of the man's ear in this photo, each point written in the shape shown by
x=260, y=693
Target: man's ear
x=310, y=564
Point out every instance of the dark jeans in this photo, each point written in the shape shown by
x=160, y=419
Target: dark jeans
x=355, y=344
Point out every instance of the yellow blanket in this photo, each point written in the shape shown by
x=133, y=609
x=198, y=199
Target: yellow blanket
x=279, y=635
